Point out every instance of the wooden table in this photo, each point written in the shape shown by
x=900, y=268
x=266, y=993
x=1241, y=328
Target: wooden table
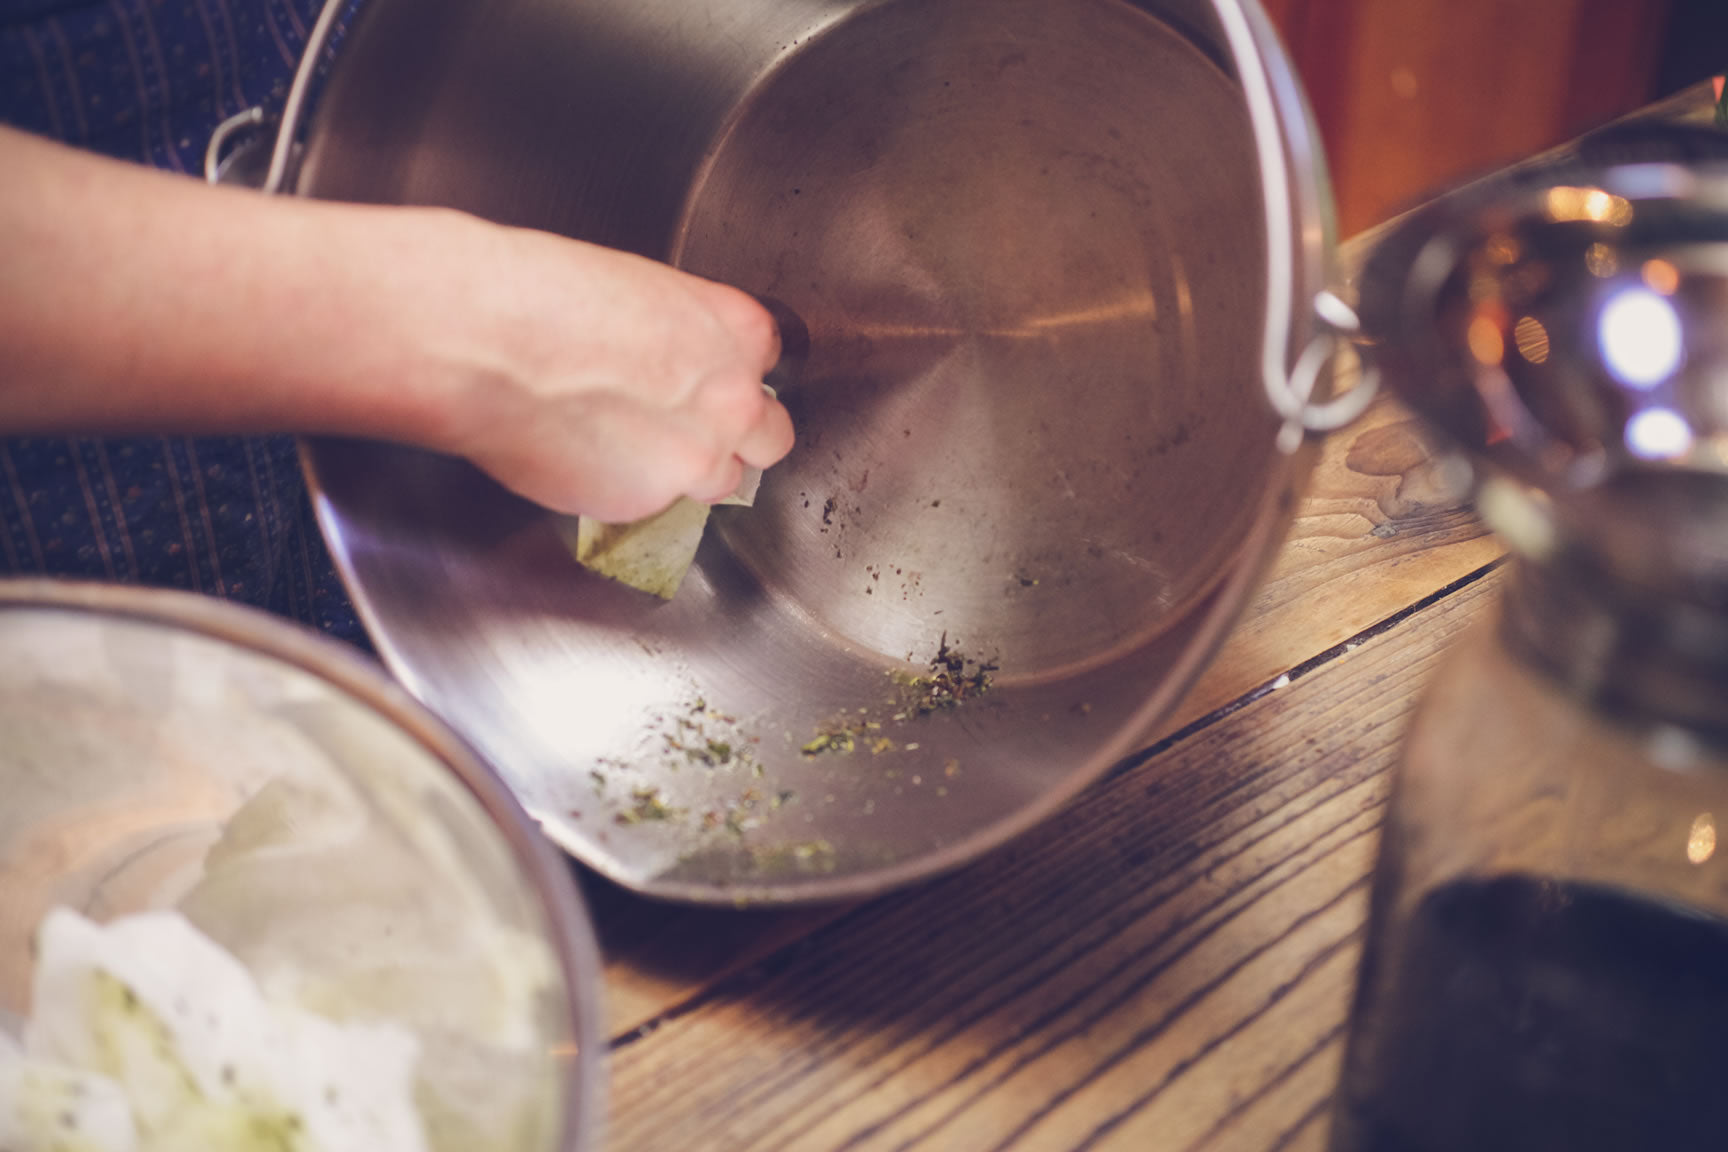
x=1164, y=965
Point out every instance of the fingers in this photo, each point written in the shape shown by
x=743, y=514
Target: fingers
x=721, y=481
x=751, y=325
x=610, y=459
x=742, y=426
x=743, y=417
x=619, y=460
x=655, y=393
x=768, y=440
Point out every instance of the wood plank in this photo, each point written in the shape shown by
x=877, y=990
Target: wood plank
x=1386, y=523
x=659, y=956
x=1384, y=526
x=1165, y=964
x=1382, y=529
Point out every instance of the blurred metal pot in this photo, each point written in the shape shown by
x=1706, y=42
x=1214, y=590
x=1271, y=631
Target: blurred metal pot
x=166, y=751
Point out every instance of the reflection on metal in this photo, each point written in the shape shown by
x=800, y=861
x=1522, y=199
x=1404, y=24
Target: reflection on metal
x=1486, y=342
x=1048, y=256
x=1139, y=308
x=1502, y=248
x=1618, y=341
x=1523, y=517
x=1701, y=841
x=1532, y=339
x=1601, y=261
x=1658, y=434
x=1639, y=334
x=1661, y=276
x=1595, y=205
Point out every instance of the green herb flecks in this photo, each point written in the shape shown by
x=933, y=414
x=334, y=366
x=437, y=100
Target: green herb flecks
x=843, y=734
x=953, y=680
x=648, y=805
x=707, y=738
x=802, y=857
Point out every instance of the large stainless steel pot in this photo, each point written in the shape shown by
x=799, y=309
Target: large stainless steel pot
x=1059, y=260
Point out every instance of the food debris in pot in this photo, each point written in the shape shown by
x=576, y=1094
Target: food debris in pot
x=804, y=856
x=841, y=735
x=648, y=804
x=706, y=737
x=953, y=679
x=698, y=736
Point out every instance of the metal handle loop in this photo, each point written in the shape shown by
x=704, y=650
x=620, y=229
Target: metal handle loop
x=275, y=178
x=1289, y=398
x=294, y=110
x=215, y=151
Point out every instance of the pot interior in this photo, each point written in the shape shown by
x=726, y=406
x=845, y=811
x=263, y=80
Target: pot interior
x=1026, y=238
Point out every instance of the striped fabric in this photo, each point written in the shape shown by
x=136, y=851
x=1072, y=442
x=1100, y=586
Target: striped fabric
x=147, y=80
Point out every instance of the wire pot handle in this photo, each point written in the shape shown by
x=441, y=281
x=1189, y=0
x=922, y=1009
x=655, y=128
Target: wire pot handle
x=224, y=140
x=1291, y=397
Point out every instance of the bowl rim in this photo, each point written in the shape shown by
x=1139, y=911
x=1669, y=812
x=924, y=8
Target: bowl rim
x=367, y=683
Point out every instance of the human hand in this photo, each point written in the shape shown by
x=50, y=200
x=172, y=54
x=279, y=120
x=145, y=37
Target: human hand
x=592, y=381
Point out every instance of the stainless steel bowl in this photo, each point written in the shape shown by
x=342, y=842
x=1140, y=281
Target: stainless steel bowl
x=160, y=750
x=1566, y=328
x=1057, y=261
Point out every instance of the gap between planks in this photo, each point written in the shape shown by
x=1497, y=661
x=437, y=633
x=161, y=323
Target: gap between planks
x=1204, y=954
x=802, y=928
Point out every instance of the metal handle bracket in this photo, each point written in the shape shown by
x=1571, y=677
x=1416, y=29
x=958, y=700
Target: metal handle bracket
x=1290, y=398
x=293, y=111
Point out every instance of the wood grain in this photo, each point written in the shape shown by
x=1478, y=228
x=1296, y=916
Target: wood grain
x=1384, y=525
x=658, y=957
x=1165, y=964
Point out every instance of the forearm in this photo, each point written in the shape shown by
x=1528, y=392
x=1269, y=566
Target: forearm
x=592, y=381
x=131, y=300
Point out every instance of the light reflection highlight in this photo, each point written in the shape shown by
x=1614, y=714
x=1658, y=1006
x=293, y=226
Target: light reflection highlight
x=1658, y=434
x=1136, y=308
x=1532, y=339
x=1639, y=334
x=1486, y=343
x=1601, y=261
x=1503, y=249
x=1701, y=842
x=1568, y=203
x=1661, y=276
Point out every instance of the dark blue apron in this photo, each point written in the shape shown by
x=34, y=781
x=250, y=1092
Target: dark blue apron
x=146, y=81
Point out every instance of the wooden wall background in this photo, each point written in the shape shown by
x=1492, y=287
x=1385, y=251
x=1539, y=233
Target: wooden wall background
x=1414, y=95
